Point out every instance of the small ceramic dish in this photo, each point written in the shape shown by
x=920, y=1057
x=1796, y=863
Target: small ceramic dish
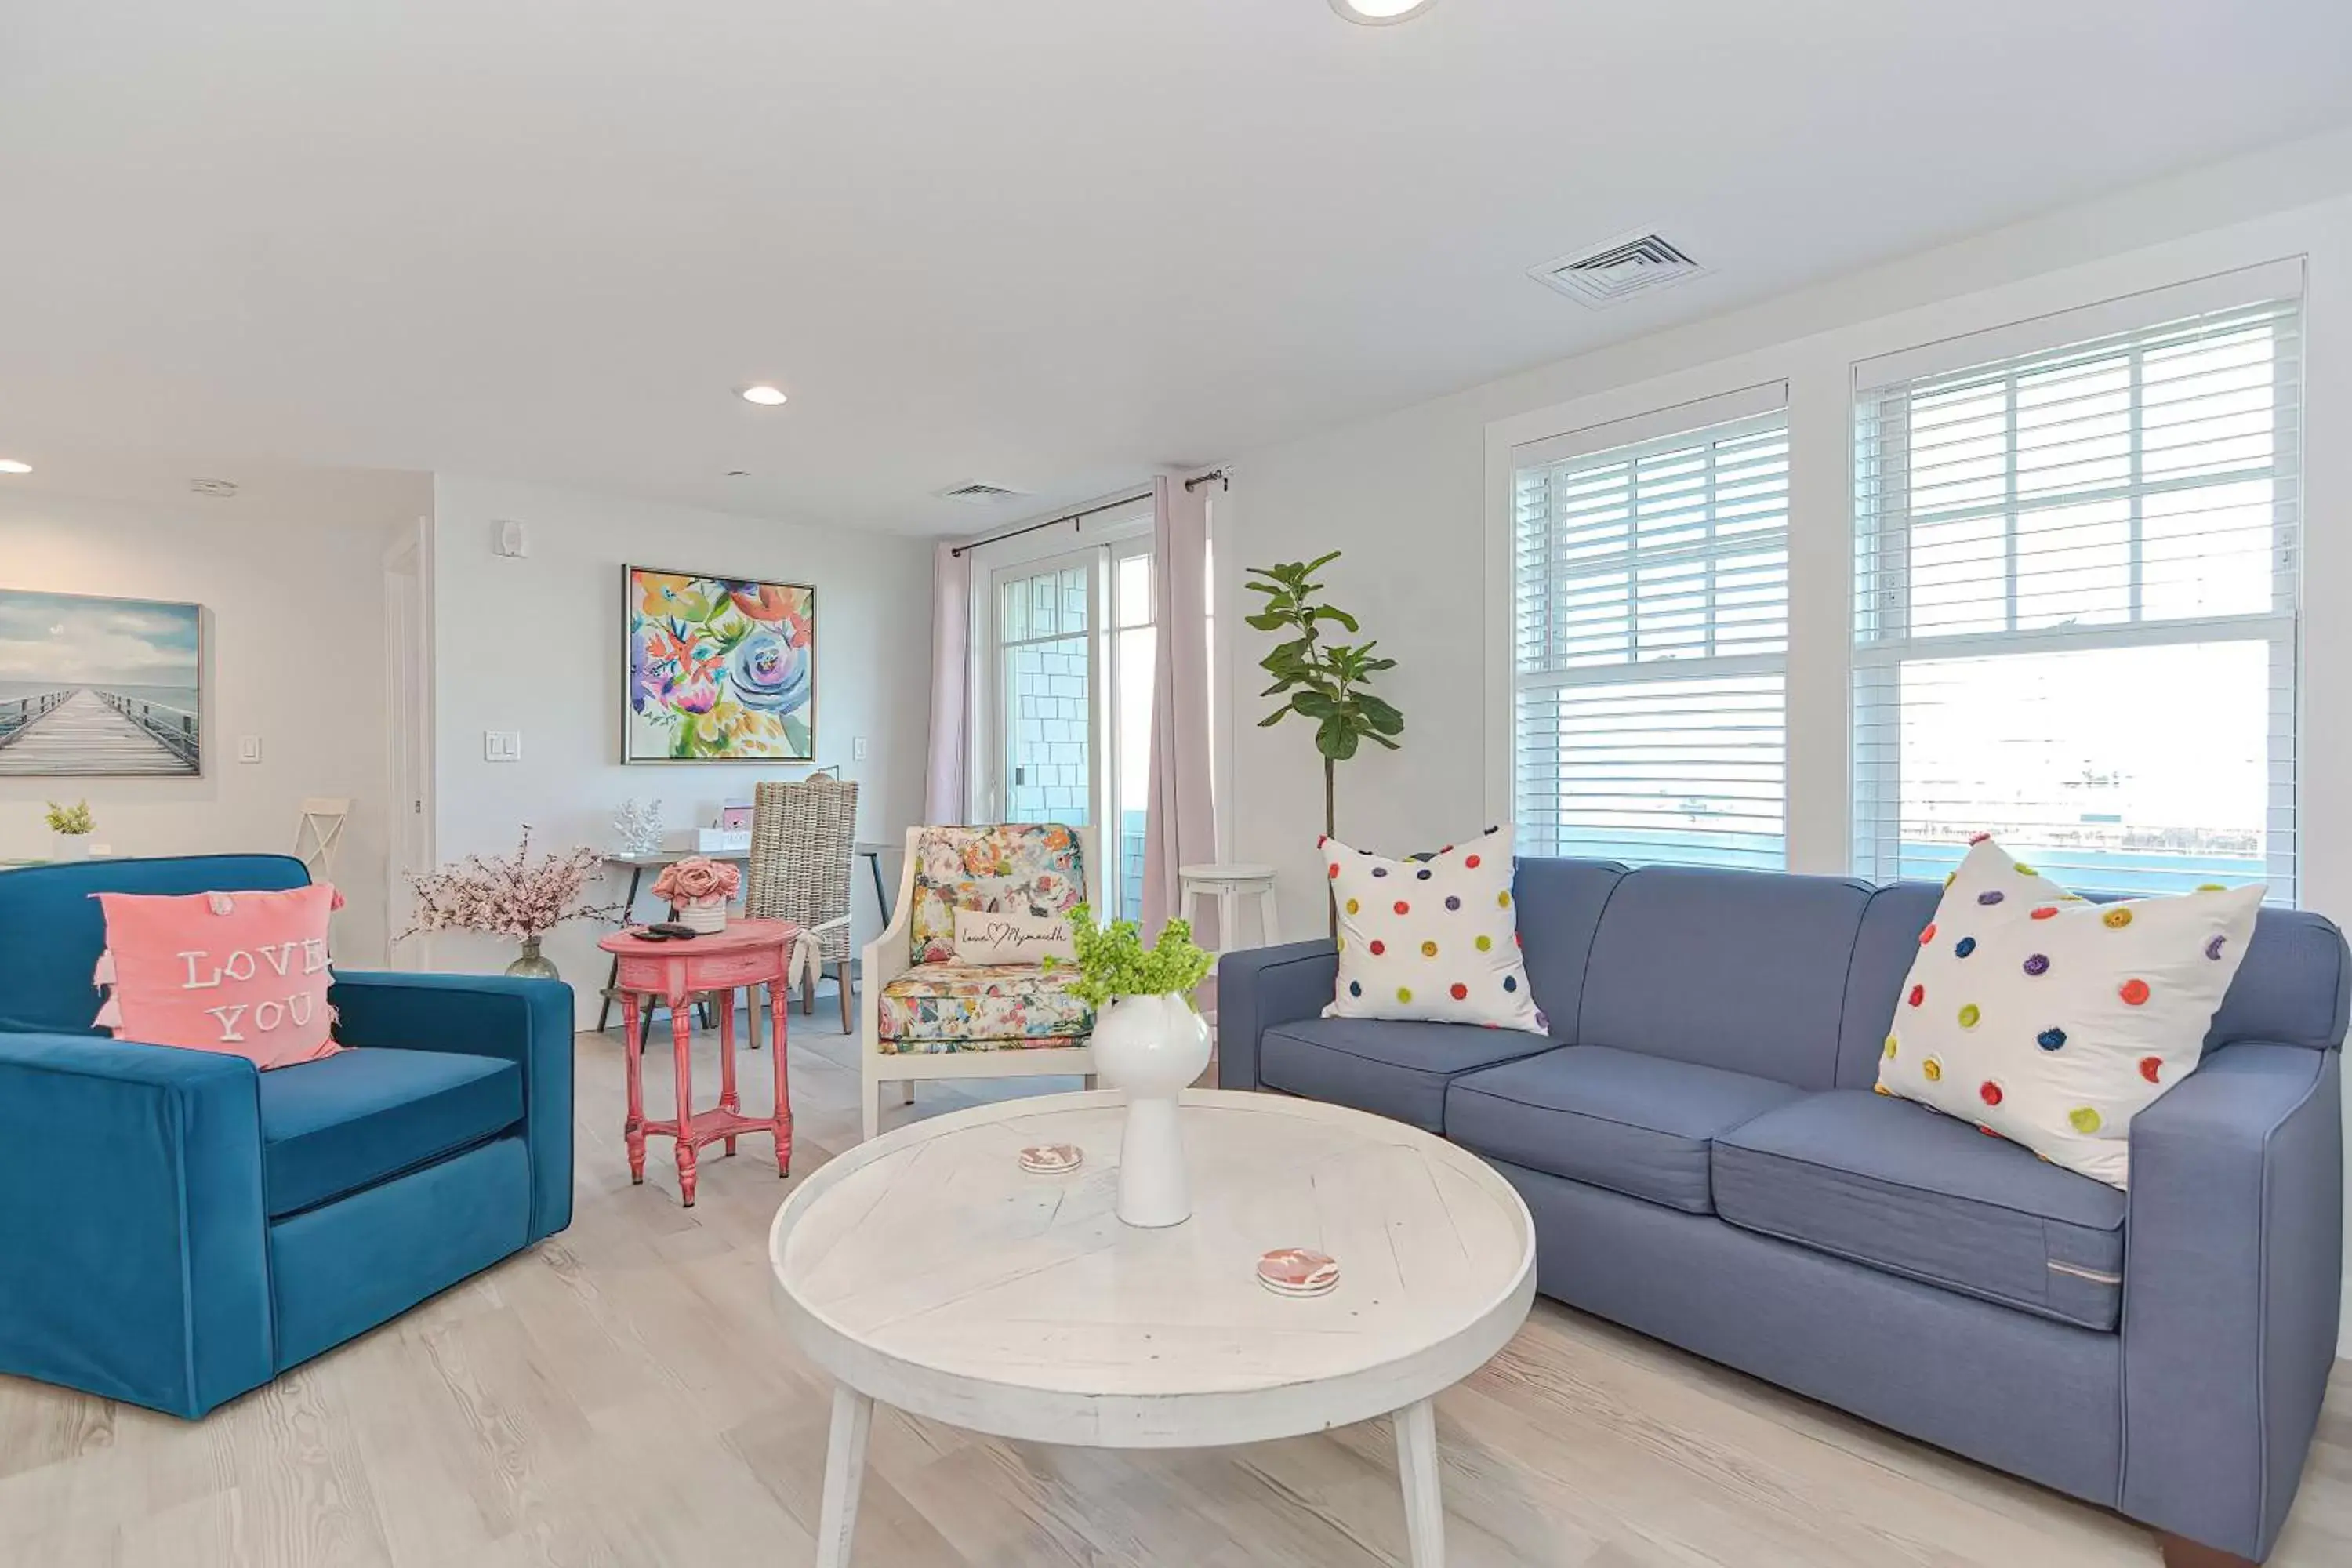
x=1051, y=1159
x=1296, y=1271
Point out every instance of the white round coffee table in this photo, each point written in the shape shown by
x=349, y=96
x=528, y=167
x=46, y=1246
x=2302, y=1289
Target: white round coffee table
x=928, y=1270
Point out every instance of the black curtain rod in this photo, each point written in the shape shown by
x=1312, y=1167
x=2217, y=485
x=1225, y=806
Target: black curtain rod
x=1074, y=517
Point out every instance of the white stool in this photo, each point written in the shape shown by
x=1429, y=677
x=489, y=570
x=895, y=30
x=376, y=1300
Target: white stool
x=1229, y=885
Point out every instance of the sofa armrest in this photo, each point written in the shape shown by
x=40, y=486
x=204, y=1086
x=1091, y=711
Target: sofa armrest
x=2232, y=1272
x=134, y=1238
x=528, y=1022
x=1260, y=988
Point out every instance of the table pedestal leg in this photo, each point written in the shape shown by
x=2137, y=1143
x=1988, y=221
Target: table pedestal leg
x=681, y=1030
x=728, y=1098
x=844, y=1468
x=776, y=1029
x=633, y=1130
x=1425, y=1509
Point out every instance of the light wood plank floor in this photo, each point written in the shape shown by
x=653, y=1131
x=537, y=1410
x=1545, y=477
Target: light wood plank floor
x=623, y=1396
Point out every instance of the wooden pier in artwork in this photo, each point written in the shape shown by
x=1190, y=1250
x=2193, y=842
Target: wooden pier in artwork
x=90, y=731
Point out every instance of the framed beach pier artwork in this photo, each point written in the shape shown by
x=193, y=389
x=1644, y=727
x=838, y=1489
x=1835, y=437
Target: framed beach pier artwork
x=718, y=669
x=94, y=687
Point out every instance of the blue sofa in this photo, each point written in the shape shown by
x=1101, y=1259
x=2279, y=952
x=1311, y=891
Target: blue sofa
x=177, y=1229
x=1707, y=1163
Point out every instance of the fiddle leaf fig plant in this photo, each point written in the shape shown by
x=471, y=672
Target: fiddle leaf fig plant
x=1325, y=683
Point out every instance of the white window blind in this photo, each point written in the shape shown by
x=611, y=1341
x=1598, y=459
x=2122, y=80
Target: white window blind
x=2075, y=600
x=1651, y=600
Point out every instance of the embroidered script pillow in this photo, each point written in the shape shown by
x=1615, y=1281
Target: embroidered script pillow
x=242, y=973
x=1435, y=939
x=982, y=937
x=2052, y=1021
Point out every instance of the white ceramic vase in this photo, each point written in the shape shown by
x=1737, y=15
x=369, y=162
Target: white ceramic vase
x=707, y=916
x=1151, y=1048
x=69, y=845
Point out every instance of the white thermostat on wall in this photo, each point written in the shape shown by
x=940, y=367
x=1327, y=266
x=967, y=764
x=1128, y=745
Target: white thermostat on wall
x=510, y=539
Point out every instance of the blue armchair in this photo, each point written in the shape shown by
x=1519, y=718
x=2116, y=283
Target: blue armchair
x=177, y=1229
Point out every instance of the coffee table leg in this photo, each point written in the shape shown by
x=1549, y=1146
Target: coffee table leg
x=844, y=1468
x=1425, y=1509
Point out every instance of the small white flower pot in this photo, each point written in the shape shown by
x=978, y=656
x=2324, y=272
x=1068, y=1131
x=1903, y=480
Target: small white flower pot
x=707, y=916
x=69, y=845
x=1151, y=1048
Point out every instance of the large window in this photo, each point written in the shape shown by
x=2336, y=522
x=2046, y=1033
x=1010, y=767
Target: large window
x=2076, y=608
x=1650, y=632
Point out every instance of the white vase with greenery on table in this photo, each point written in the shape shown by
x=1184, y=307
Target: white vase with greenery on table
x=1149, y=1044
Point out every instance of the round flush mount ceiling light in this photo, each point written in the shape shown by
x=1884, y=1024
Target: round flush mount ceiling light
x=764, y=394
x=1380, y=13
x=11, y=466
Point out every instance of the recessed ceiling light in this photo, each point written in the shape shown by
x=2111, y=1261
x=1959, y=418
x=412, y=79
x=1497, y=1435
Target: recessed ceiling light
x=218, y=490
x=766, y=396
x=1380, y=13
x=11, y=466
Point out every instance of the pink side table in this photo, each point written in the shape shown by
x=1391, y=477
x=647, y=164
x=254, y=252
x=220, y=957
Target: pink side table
x=749, y=953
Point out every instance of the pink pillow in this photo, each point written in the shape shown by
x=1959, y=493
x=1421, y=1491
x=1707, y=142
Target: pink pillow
x=245, y=974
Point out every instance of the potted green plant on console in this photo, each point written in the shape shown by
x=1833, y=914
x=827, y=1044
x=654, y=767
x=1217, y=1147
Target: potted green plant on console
x=70, y=830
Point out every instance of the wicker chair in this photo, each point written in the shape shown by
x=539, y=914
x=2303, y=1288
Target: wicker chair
x=802, y=852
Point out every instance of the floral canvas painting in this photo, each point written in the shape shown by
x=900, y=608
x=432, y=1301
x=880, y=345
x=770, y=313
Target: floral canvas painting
x=720, y=669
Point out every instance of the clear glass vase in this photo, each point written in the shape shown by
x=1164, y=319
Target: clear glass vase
x=533, y=965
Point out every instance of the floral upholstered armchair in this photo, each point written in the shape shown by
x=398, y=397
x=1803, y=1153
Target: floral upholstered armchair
x=926, y=1016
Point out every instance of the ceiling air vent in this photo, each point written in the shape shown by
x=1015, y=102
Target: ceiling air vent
x=1632, y=264
x=976, y=490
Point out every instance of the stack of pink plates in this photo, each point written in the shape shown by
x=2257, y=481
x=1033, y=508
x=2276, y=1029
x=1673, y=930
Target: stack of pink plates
x=1295, y=1271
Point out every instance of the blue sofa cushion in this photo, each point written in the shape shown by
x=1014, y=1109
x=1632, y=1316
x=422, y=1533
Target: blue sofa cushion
x=1740, y=970
x=1898, y=1187
x=2293, y=987
x=1559, y=904
x=1884, y=951
x=348, y=1121
x=1636, y=1124
x=1387, y=1066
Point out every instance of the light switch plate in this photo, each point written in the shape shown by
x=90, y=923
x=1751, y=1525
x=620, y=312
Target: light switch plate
x=857, y=750
x=248, y=748
x=502, y=746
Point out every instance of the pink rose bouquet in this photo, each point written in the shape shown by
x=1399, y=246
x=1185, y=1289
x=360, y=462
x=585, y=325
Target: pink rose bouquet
x=695, y=880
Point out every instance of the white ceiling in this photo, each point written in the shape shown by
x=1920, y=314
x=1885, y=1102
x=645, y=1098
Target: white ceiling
x=1052, y=244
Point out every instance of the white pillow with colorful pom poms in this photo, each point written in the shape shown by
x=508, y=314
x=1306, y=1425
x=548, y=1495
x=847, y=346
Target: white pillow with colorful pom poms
x=2052, y=1021
x=1434, y=939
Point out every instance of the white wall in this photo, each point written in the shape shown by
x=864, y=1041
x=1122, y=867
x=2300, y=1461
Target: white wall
x=294, y=654
x=1410, y=498
x=535, y=645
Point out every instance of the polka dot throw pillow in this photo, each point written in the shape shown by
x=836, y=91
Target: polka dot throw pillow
x=1435, y=939
x=2052, y=1021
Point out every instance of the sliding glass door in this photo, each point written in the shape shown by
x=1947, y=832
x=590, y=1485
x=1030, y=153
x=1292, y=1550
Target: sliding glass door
x=1066, y=670
x=1045, y=655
